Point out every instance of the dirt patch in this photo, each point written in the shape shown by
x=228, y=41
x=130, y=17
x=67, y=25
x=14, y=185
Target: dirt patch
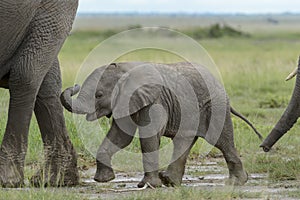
x=208, y=176
x=212, y=176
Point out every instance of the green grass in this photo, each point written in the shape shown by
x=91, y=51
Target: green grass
x=194, y=193
x=293, y=194
x=42, y=194
x=253, y=70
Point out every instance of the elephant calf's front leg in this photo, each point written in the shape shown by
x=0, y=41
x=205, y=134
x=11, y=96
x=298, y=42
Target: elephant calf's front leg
x=115, y=140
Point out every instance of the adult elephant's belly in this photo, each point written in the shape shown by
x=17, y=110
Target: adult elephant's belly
x=15, y=17
x=170, y=133
x=4, y=82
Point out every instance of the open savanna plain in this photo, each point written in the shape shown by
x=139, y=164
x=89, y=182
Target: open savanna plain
x=252, y=65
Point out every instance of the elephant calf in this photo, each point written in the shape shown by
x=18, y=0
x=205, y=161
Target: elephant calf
x=182, y=101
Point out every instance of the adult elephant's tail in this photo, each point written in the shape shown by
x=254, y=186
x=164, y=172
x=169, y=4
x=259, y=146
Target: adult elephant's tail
x=288, y=118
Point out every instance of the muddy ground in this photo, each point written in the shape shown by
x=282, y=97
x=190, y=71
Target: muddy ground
x=207, y=176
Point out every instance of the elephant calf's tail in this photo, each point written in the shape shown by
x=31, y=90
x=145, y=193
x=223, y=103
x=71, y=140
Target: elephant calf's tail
x=247, y=121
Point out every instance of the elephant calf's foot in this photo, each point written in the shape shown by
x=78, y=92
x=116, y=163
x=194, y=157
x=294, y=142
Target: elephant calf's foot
x=169, y=180
x=104, y=173
x=237, y=180
x=150, y=178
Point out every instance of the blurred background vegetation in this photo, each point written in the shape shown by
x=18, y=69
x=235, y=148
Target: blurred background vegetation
x=253, y=53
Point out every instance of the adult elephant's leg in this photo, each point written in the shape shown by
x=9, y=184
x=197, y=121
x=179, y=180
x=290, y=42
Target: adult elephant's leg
x=117, y=138
x=60, y=157
x=14, y=19
x=14, y=144
x=225, y=143
x=24, y=83
x=173, y=175
x=31, y=62
x=23, y=87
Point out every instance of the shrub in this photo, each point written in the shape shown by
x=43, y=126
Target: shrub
x=214, y=31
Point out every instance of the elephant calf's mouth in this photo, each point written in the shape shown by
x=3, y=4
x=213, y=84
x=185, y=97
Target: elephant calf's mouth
x=96, y=115
x=91, y=116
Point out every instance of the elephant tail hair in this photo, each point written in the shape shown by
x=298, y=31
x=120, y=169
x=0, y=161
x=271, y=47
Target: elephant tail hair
x=234, y=112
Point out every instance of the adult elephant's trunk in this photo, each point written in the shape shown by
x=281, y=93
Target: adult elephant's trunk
x=288, y=118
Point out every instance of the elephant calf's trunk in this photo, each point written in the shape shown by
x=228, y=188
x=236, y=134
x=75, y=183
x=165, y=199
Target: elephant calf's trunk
x=66, y=99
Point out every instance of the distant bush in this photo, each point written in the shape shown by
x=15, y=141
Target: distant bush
x=134, y=26
x=273, y=102
x=108, y=33
x=94, y=34
x=214, y=31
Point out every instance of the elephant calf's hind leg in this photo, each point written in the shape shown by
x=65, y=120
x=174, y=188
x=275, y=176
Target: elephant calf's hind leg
x=237, y=175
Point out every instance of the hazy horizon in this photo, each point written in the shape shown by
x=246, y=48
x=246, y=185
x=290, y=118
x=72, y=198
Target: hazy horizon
x=216, y=7
x=180, y=13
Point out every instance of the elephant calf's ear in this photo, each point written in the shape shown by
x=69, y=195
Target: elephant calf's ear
x=134, y=91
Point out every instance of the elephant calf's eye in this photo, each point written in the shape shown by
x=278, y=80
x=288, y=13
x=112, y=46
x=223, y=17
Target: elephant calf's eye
x=98, y=95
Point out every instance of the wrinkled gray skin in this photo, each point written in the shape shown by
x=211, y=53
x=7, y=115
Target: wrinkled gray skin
x=31, y=34
x=288, y=118
x=97, y=99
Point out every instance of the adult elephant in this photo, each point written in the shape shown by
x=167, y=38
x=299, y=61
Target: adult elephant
x=31, y=34
x=289, y=117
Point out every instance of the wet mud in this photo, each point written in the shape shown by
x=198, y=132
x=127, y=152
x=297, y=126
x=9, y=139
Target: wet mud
x=207, y=176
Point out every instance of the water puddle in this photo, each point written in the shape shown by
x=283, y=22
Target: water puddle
x=212, y=175
x=205, y=176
